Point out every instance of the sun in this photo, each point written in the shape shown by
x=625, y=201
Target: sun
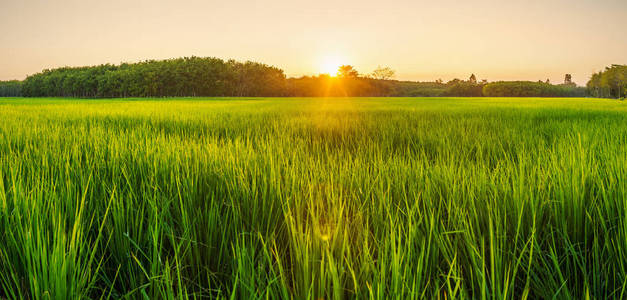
x=330, y=64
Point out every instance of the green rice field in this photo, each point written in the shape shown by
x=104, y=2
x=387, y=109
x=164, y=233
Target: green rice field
x=313, y=198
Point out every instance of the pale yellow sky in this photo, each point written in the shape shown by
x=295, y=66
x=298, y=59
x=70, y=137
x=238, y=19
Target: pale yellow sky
x=421, y=40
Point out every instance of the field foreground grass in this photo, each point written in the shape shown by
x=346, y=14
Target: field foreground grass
x=380, y=198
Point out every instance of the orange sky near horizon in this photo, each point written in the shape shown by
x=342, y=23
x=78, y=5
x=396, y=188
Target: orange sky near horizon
x=421, y=40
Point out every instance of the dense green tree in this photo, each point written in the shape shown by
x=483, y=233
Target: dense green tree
x=11, y=88
x=610, y=83
x=189, y=76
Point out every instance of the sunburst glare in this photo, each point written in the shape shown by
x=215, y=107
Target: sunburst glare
x=329, y=64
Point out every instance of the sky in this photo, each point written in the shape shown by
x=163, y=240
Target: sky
x=420, y=40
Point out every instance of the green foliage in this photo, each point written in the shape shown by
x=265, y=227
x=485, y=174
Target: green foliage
x=531, y=89
x=313, y=198
x=194, y=76
x=465, y=89
x=189, y=76
x=611, y=83
x=419, y=89
x=11, y=88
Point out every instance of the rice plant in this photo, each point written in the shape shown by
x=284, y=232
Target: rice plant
x=334, y=198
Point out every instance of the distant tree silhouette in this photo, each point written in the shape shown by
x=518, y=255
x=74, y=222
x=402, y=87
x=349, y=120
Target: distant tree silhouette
x=568, y=79
x=472, y=79
x=383, y=73
x=347, y=71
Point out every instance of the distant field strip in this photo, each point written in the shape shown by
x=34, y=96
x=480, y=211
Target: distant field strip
x=334, y=198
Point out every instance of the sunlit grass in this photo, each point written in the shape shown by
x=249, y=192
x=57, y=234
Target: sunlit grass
x=313, y=198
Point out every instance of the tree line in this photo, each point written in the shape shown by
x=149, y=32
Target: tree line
x=350, y=83
x=12, y=88
x=196, y=76
x=610, y=83
x=532, y=89
x=189, y=76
